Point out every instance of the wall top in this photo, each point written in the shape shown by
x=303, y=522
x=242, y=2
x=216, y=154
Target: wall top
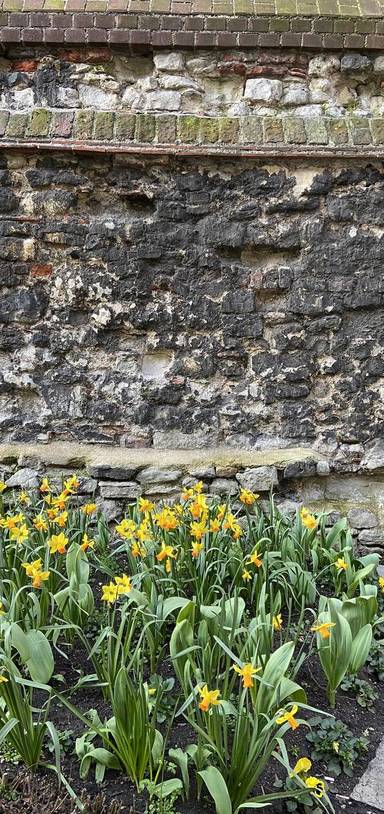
x=328, y=8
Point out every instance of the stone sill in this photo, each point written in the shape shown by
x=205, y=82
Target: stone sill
x=70, y=454
x=105, y=131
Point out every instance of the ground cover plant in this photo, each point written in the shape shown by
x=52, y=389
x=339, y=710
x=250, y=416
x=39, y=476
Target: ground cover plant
x=171, y=659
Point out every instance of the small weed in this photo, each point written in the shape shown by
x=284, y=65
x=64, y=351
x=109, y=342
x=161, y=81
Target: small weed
x=334, y=744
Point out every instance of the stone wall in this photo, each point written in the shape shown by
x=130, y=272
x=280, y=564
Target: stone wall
x=115, y=477
x=230, y=83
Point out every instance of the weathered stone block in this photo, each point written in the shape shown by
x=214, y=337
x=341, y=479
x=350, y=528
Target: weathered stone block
x=145, y=128
x=24, y=478
x=258, y=479
x=224, y=486
x=39, y=123
x=362, y=519
x=268, y=91
x=103, y=126
x=153, y=474
x=118, y=491
x=83, y=124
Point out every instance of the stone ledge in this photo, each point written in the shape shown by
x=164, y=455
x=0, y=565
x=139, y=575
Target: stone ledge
x=61, y=453
x=285, y=24
x=187, y=134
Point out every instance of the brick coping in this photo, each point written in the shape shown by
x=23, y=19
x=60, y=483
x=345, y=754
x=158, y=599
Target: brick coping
x=220, y=8
x=106, y=131
x=144, y=31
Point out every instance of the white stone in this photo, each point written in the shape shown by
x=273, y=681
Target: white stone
x=374, y=537
x=322, y=468
x=96, y=98
x=201, y=65
x=125, y=489
x=133, y=99
x=23, y=98
x=322, y=65
x=163, y=100
x=258, y=479
x=295, y=94
x=320, y=89
x=172, y=62
x=346, y=96
x=309, y=111
x=374, y=456
x=378, y=65
x=178, y=82
x=224, y=486
x=362, y=519
x=377, y=105
x=154, y=474
x=67, y=97
x=25, y=478
x=155, y=365
x=263, y=90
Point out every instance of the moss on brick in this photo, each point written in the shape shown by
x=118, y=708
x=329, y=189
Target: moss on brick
x=103, y=126
x=39, y=123
x=209, y=130
x=377, y=130
x=273, y=130
x=145, y=127
x=125, y=126
x=316, y=130
x=294, y=130
x=188, y=129
x=338, y=131
x=228, y=130
x=251, y=130
x=166, y=127
x=83, y=124
x=17, y=125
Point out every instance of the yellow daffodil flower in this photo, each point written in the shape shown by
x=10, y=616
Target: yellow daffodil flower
x=124, y=585
x=246, y=576
x=255, y=560
x=323, y=629
x=277, y=621
x=166, y=519
x=34, y=572
x=13, y=521
x=247, y=671
x=126, y=528
x=302, y=766
x=308, y=520
x=138, y=550
x=221, y=511
x=19, y=534
x=89, y=508
x=3, y=486
x=197, y=530
x=39, y=523
x=60, y=501
x=71, y=484
x=24, y=498
x=247, y=497
x=121, y=587
x=209, y=698
x=316, y=785
x=86, y=542
x=3, y=679
x=45, y=486
x=61, y=519
x=214, y=526
x=289, y=717
x=167, y=553
x=196, y=549
x=58, y=543
x=2, y=611
x=145, y=505
x=381, y=584
x=341, y=565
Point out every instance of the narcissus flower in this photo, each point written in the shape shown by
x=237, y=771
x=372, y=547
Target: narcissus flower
x=381, y=584
x=214, y=526
x=247, y=497
x=2, y=611
x=89, y=508
x=198, y=530
x=3, y=679
x=341, y=565
x=60, y=501
x=166, y=519
x=316, y=785
x=61, y=519
x=247, y=671
x=277, y=621
x=124, y=585
x=34, y=571
x=302, y=766
x=145, y=505
x=71, y=484
x=255, y=560
x=198, y=507
x=2, y=486
x=167, y=553
x=126, y=528
x=289, y=717
x=12, y=521
x=86, y=542
x=24, y=498
x=19, y=534
x=138, y=550
x=246, y=575
x=323, y=629
x=209, y=698
x=58, y=543
x=196, y=549
x=45, y=486
x=221, y=511
x=308, y=520
x=120, y=587
x=40, y=523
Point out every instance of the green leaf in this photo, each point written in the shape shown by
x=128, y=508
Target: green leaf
x=217, y=788
x=181, y=759
x=360, y=649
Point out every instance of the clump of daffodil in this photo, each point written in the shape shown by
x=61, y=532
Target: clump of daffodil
x=35, y=572
x=247, y=671
x=58, y=543
x=71, y=484
x=45, y=486
x=289, y=717
x=230, y=523
x=120, y=587
x=12, y=521
x=323, y=629
x=166, y=519
x=198, y=529
x=166, y=553
x=277, y=621
x=308, y=520
x=24, y=498
x=247, y=497
x=209, y=698
x=126, y=528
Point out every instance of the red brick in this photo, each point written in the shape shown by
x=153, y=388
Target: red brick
x=82, y=20
x=147, y=22
x=39, y=18
x=226, y=40
x=10, y=35
x=104, y=20
x=139, y=37
x=215, y=23
x=25, y=65
x=61, y=20
x=15, y=20
x=183, y=38
x=96, y=35
x=32, y=34
x=171, y=22
x=54, y=34
x=119, y=36
x=193, y=23
x=162, y=38
x=41, y=270
x=75, y=35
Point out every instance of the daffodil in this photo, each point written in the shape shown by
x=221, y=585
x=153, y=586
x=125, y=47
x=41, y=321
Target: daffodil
x=89, y=508
x=247, y=497
x=197, y=530
x=40, y=523
x=45, y=486
x=289, y=717
x=302, y=766
x=221, y=511
x=167, y=553
x=247, y=671
x=86, y=542
x=138, y=550
x=381, y=584
x=255, y=560
x=214, y=526
x=323, y=629
x=196, y=549
x=209, y=698
x=58, y=543
x=60, y=501
x=124, y=585
x=3, y=679
x=277, y=621
x=308, y=520
x=341, y=565
x=71, y=484
x=61, y=519
x=120, y=587
x=24, y=498
x=145, y=505
x=126, y=528
x=315, y=785
x=34, y=571
x=19, y=534
x=198, y=507
x=166, y=519
x=3, y=486
x=12, y=521
x=2, y=611
x=246, y=575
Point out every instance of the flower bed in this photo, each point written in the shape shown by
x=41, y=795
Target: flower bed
x=189, y=659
